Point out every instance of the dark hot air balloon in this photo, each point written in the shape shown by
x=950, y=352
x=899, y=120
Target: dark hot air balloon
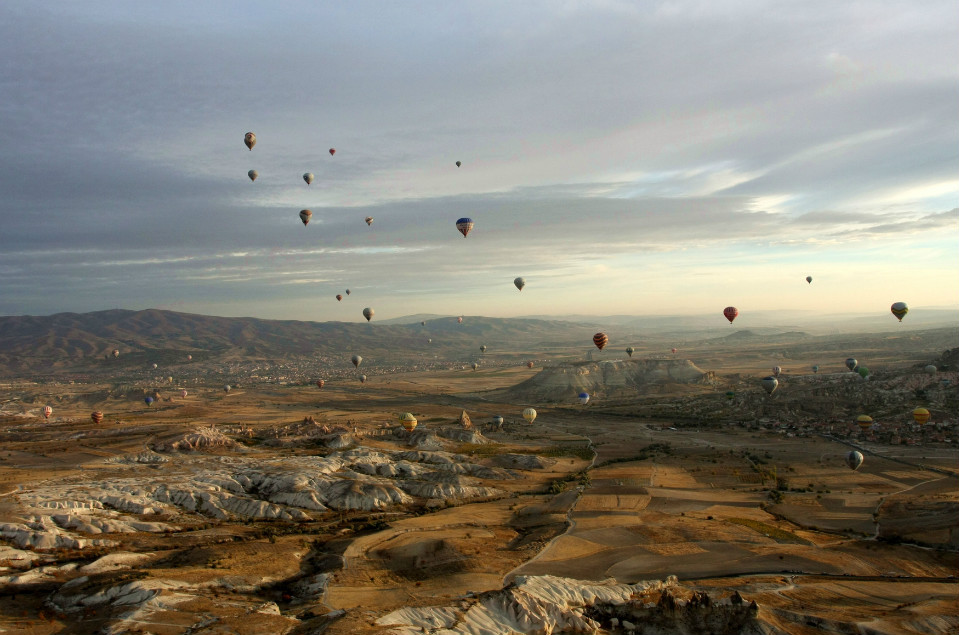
x=731, y=313
x=253, y=174
x=854, y=460
x=250, y=140
x=899, y=309
x=600, y=340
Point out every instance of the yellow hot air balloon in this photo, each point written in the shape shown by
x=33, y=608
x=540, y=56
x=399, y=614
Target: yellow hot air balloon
x=864, y=422
x=921, y=415
x=530, y=415
x=408, y=421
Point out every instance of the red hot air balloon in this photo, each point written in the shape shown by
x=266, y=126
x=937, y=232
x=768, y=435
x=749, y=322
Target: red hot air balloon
x=305, y=216
x=459, y=320
x=529, y=364
x=730, y=312
x=47, y=411
x=339, y=298
x=320, y=383
x=332, y=151
x=97, y=417
x=600, y=340
x=674, y=350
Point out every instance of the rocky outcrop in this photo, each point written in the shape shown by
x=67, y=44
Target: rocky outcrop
x=524, y=461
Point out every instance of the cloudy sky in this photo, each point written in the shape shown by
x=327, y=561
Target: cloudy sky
x=624, y=157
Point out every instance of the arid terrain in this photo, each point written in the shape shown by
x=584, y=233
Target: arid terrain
x=680, y=499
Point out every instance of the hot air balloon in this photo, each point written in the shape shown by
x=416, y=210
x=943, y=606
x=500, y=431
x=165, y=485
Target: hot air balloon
x=320, y=383
x=154, y=367
x=169, y=379
x=348, y=292
x=674, y=350
x=815, y=369
x=308, y=177
x=600, y=340
x=529, y=364
x=250, y=140
x=362, y=379
x=899, y=309
x=863, y=372
x=921, y=415
x=47, y=411
x=356, y=359
x=777, y=371
x=770, y=384
x=429, y=340
x=931, y=369
x=731, y=312
x=630, y=350
x=332, y=151
x=459, y=163
x=97, y=417
x=854, y=460
x=864, y=422
x=584, y=398
x=339, y=298
x=809, y=279
x=368, y=313
x=227, y=388
x=189, y=358
x=184, y=393
x=730, y=394
x=520, y=283
x=423, y=323
x=483, y=348
x=851, y=363
x=148, y=400
x=305, y=216
x=474, y=366
x=465, y=225
x=408, y=421
x=253, y=174
x=530, y=415
x=369, y=220
x=116, y=353
x=459, y=320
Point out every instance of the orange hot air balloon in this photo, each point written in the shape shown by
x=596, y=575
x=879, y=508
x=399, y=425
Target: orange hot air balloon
x=529, y=364
x=600, y=340
x=339, y=298
x=320, y=383
x=97, y=417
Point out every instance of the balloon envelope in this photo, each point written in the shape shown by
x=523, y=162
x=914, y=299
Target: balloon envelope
x=148, y=400
x=931, y=369
x=899, y=309
x=227, y=388
x=320, y=383
x=809, y=279
x=464, y=225
x=356, y=359
x=852, y=363
x=368, y=313
x=529, y=364
x=369, y=220
x=921, y=415
x=731, y=313
x=116, y=352
x=332, y=151
x=474, y=365
x=854, y=459
x=339, y=298
x=529, y=414
x=498, y=420
x=253, y=174
x=600, y=340
x=362, y=379
x=308, y=177
x=520, y=283
x=583, y=398
x=47, y=411
x=864, y=422
x=483, y=348
x=777, y=371
x=348, y=292
x=408, y=421
x=250, y=140
x=815, y=369
x=459, y=163
x=97, y=416
x=305, y=216
x=183, y=393
x=630, y=350
x=459, y=320
x=770, y=384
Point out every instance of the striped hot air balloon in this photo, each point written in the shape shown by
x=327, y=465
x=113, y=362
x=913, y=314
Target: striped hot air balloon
x=464, y=225
x=47, y=411
x=899, y=309
x=97, y=416
x=921, y=415
x=600, y=340
x=731, y=313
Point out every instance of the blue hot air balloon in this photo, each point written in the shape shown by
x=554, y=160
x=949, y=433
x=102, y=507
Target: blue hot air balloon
x=464, y=225
x=584, y=398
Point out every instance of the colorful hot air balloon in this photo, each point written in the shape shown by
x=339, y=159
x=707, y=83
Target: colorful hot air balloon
x=148, y=400
x=227, y=388
x=483, y=348
x=770, y=384
x=854, y=460
x=362, y=379
x=320, y=383
x=520, y=283
x=530, y=415
x=474, y=366
x=600, y=340
x=809, y=279
x=459, y=320
x=305, y=216
x=864, y=422
x=339, y=298
x=368, y=313
x=250, y=140
x=630, y=350
x=369, y=220
x=332, y=151
x=459, y=163
x=931, y=369
x=583, y=398
x=356, y=359
x=308, y=177
x=899, y=309
x=253, y=174
x=97, y=417
x=116, y=353
x=730, y=394
x=731, y=312
x=815, y=369
x=184, y=393
x=465, y=225
x=408, y=421
x=777, y=371
x=851, y=363
x=47, y=411
x=921, y=415
x=529, y=364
